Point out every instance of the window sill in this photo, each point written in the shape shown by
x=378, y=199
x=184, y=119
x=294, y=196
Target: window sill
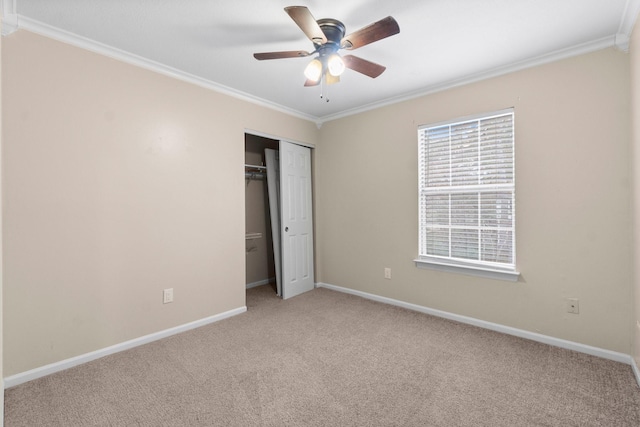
x=487, y=273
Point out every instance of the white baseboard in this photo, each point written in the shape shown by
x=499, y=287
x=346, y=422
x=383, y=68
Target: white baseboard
x=557, y=342
x=260, y=283
x=42, y=371
x=636, y=371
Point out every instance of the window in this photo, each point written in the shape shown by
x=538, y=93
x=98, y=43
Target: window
x=467, y=196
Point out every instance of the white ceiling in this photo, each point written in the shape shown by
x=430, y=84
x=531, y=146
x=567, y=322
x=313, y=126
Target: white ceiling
x=441, y=43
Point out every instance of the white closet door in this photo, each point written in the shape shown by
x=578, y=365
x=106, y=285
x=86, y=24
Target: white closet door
x=296, y=219
x=273, y=186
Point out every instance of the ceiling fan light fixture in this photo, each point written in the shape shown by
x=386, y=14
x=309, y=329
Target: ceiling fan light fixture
x=335, y=64
x=314, y=70
x=328, y=37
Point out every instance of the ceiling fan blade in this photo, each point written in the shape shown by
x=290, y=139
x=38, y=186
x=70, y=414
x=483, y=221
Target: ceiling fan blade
x=280, y=55
x=371, y=33
x=310, y=83
x=363, y=66
x=307, y=23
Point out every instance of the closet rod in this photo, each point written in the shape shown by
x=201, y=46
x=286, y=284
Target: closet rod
x=262, y=168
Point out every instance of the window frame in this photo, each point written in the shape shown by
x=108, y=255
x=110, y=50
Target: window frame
x=486, y=269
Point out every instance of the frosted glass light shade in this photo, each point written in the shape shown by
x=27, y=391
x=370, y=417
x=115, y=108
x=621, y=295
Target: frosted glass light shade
x=335, y=65
x=314, y=70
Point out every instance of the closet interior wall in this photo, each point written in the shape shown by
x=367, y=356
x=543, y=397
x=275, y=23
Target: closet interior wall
x=260, y=266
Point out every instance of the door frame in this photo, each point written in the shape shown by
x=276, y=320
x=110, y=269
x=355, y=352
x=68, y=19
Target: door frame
x=277, y=138
x=304, y=144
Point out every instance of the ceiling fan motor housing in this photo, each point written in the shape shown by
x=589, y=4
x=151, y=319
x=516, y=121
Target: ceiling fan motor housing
x=334, y=32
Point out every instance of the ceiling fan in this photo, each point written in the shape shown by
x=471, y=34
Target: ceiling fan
x=328, y=37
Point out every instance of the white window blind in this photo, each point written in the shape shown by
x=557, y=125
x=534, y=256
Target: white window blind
x=467, y=192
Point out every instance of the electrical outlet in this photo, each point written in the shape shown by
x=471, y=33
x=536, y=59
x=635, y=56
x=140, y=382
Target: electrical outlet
x=573, y=305
x=387, y=273
x=167, y=296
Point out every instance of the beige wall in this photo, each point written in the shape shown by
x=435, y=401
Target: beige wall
x=573, y=202
x=635, y=120
x=118, y=182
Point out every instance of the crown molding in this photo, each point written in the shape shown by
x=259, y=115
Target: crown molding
x=8, y=7
x=9, y=24
x=604, y=43
x=629, y=17
x=9, y=16
x=67, y=37
x=627, y=23
x=620, y=41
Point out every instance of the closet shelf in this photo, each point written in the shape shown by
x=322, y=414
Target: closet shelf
x=253, y=236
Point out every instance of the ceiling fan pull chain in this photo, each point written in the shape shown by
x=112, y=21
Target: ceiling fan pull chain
x=322, y=89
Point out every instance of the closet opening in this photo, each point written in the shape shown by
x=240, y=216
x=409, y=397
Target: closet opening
x=260, y=260
x=279, y=216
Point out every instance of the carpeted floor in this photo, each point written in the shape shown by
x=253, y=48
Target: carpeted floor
x=329, y=359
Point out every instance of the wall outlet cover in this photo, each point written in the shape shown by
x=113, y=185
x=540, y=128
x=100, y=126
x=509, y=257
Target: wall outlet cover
x=573, y=305
x=167, y=296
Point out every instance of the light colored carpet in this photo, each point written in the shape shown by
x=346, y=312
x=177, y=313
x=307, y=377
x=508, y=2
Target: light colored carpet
x=329, y=359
